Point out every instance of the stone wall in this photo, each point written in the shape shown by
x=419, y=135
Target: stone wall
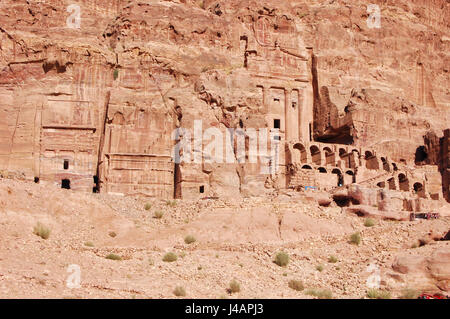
x=445, y=164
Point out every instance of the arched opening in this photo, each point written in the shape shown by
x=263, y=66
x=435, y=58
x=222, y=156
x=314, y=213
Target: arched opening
x=419, y=189
x=322, y=170
x=345, y=158
x=340, y=178
x=65, y=183
x=381, y=185
x=299, y=155
x=385, y=164
x=329, y=156
x=350, y=177
x=306, y=167
x=395, y=167
x=421, y=155
x=36, y=180
x=391, y=183
x=315, y=155
x=371, y=161
x=403, y=182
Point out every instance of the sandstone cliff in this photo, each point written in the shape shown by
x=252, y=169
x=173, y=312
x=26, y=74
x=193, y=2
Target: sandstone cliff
x=106, y=96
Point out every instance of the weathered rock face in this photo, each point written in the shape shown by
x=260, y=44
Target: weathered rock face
x=445, y=164
x=427, y=272
x=95, y=107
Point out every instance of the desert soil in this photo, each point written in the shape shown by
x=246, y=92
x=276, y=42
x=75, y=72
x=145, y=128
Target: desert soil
x=234, y=240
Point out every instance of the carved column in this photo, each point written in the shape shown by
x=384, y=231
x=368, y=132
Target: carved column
x=287, y=113
x=265, y=108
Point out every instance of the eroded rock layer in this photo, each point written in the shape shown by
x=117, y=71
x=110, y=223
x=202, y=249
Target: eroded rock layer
x=94, y=108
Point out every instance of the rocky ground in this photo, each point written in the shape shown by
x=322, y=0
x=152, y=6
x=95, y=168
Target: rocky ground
x=235, y=240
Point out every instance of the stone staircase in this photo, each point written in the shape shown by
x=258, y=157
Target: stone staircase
x=370, y=180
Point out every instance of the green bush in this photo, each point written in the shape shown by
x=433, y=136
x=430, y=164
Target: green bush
x=113, y=257
x=234, y=287
x=296, y=285
x=158, y=215
x=378, y=294
x=320, y=293
x=89, y=244
x=179, y=291
x=189, y=239
x=171, y=203
x=147, y=206
x=112, y=234
x=41, y=231
x=355, y=238
x=281, y=259
x=116, y=74
x=170, y=257
x=369, y=222
x=320, y=268
x=332, y=259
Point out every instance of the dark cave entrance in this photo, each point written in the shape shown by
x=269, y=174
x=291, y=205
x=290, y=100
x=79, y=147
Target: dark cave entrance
x=421, y=155
x=65, y=184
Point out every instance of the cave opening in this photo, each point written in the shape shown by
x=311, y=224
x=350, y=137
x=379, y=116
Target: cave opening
x=65, y=184
x=96, y=188
x=342, y=201
x=421, y=155
x=381, y=185
x=276, y=124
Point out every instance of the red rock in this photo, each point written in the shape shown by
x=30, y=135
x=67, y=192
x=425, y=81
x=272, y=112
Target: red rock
x=94, y=108
x=406, y=264
x=426, y=271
